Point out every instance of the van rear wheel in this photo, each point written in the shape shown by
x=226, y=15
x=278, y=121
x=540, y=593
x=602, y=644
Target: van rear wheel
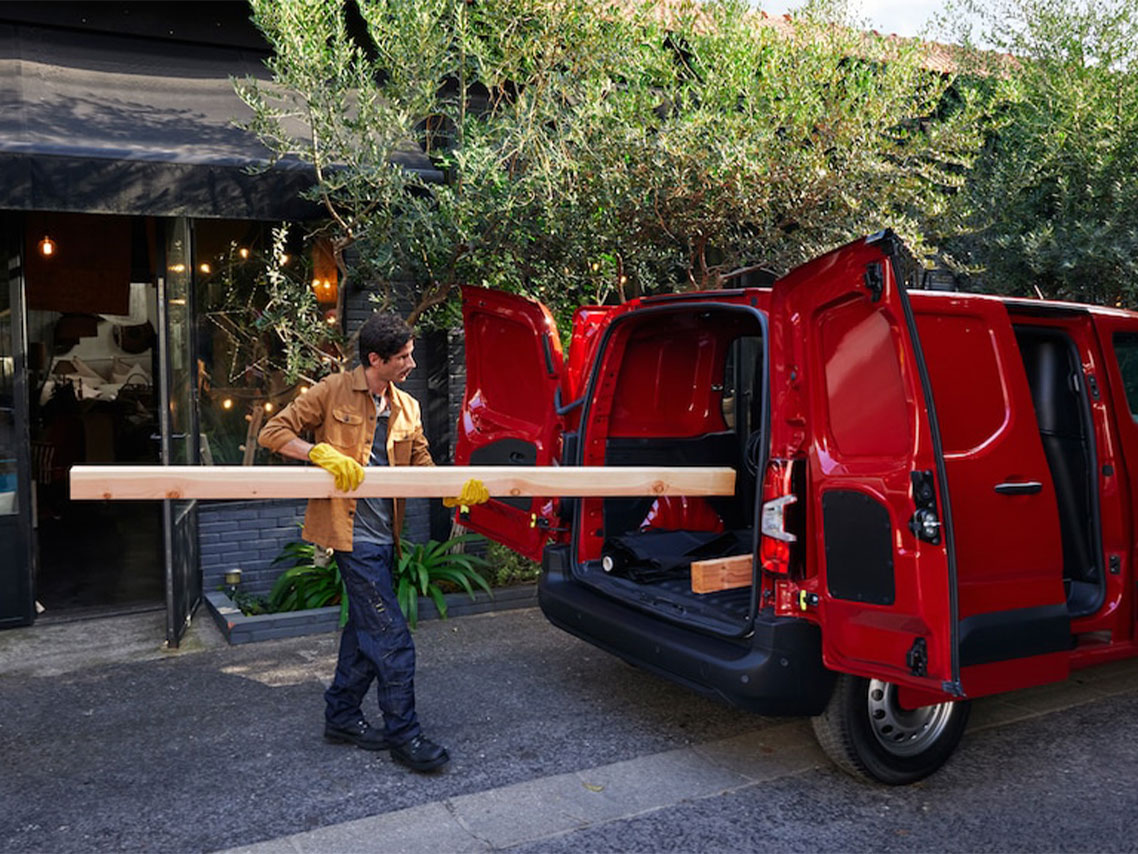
x=866, y=732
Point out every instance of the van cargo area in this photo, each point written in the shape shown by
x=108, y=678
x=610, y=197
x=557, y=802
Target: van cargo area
x=672, y=386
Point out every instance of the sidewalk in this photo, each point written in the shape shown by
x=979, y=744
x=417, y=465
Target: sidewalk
x=111, y=744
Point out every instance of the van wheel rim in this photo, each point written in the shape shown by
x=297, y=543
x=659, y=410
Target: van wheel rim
x=904, y=732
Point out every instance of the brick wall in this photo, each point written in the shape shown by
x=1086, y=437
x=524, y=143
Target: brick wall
x=245, y=535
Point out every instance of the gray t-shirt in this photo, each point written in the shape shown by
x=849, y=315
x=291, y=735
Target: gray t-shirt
x=373, y=515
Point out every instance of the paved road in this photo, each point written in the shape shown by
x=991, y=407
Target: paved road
x=556, y=746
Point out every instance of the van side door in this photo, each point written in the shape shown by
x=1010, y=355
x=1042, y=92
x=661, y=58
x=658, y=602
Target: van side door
x=1014, y=626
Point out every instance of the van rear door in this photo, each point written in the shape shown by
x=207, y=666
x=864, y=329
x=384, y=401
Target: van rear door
x=852, y=395
x=513, y=371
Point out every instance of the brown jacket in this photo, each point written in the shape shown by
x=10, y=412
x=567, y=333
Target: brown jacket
x=339, y=410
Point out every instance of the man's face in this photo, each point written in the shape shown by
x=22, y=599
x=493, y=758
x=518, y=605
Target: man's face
x=398, y=366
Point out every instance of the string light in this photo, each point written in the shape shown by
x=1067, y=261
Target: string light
x=205, y=268
x=227, y=403
x=268, y=406
x=47, y=246
x=243, y=252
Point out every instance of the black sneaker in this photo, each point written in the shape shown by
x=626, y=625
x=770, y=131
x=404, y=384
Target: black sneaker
x=420, y=754
x=362, y=734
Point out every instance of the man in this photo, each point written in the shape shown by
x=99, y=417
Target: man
x=362, y=417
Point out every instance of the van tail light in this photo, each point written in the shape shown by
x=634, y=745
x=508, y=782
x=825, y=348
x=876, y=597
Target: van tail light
x=778, y=495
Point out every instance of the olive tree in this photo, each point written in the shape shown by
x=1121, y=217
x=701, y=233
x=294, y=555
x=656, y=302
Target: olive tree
x=595, y=150
x=1052, y=204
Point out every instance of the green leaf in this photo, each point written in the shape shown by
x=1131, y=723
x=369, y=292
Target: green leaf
x=440, y=601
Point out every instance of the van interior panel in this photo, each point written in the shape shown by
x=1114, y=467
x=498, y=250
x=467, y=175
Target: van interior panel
x=687, y=389
x=1054, y=374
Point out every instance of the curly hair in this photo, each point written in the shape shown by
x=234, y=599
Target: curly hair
x=385, y=334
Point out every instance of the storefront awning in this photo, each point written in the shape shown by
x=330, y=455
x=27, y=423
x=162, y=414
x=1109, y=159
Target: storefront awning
x=102, y=123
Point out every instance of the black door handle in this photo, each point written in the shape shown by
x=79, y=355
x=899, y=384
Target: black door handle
x=1027, y=487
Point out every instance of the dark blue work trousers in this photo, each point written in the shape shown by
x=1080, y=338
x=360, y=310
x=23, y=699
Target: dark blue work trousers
x=375, y=644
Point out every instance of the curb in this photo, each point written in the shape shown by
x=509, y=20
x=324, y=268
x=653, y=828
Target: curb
x=239, y=629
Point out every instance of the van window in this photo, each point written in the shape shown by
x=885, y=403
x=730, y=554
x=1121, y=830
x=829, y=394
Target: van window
x=1126, y=351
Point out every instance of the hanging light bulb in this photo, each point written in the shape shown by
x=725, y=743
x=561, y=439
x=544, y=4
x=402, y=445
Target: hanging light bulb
x=227, y=403
x=205, y=268
x=47, y=246
x=243, y=252
x=268, y=406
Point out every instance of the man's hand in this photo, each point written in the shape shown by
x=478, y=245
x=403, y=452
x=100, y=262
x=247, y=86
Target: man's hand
x=348, y=473
x=474, y=491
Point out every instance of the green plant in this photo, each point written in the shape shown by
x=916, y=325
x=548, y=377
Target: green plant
x=250, y=604
x=307, y=583
x=506, y=566
x=422, y=568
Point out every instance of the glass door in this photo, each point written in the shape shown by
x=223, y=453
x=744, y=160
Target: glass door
x=178, y=423
x=17, y=606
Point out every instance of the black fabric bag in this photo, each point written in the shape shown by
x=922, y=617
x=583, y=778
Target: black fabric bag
x=647, y=556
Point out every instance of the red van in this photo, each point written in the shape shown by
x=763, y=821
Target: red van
x=932, y=490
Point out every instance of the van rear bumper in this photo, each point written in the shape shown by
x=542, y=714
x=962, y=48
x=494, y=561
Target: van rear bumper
x=776, y=671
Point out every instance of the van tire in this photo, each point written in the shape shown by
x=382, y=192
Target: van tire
x=868, y=735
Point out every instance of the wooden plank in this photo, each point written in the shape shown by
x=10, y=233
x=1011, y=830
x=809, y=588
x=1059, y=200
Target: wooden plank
x=721, y=573
x=227, y=482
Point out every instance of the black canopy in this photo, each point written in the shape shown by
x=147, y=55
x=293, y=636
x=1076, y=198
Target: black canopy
x=99, y=122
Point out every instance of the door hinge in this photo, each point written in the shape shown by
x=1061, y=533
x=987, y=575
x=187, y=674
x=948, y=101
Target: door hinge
x=875, y=280
x=918, y=658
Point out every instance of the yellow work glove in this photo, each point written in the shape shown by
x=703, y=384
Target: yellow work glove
x=348, y=473
x=474, y=491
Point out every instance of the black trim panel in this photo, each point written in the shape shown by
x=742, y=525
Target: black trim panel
x=859, y=547
x=1018, y=633
x=507, y=452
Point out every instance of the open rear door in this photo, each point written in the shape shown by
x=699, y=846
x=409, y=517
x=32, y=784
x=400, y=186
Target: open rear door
x=513, y=371
x=855, y=399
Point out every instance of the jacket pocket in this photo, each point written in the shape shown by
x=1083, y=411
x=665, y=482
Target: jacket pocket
x=401, y=449
x=343, y=429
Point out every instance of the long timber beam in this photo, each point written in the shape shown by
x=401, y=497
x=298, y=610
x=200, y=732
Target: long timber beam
x=236, y=482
